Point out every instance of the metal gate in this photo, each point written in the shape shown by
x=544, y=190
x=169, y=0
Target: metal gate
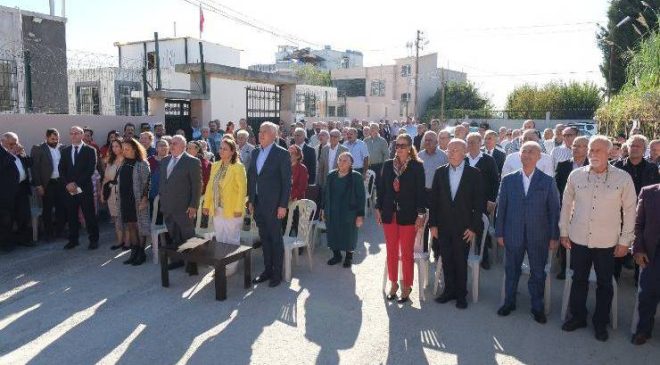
x=177, y=116
x=262, y=104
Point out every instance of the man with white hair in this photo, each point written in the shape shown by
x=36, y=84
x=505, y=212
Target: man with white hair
x=594, y=230
x=455, y=219
x=358, y=150
x=15, y=187
x=323, y=137
x=515, y=144
x=432, y=158
x=269, y=187
x=564, y=152
x=654, y=153
x=244, y=147
x=513, y=162
x=76, y=168
x=309, y=156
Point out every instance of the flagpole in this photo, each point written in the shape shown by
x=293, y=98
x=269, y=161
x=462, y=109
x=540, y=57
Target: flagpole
x=201, y=16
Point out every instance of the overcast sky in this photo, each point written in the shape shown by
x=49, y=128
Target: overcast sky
x=500, y=44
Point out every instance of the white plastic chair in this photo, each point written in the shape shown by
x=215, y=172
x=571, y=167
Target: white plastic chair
x=318, y=227
x=156, y=230
x=251, y=236
x=370, y=181
x=525, y=270
x=306, y=211
x=592, y=283
x=209, y=231
x=474, y=258
x=421, y=259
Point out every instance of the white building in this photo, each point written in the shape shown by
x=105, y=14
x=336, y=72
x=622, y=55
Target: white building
x=106, y=91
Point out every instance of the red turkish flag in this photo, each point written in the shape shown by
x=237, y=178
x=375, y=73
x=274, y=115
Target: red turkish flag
x=201, y=19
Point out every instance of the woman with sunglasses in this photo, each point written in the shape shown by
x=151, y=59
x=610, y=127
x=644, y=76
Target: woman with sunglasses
x=401, y=208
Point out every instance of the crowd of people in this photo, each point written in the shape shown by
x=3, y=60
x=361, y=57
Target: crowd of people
x=594, y=197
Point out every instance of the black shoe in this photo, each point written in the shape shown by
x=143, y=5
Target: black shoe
x=117, y=246
x=506, y=309
x=539, y=317
x=70, y=245
x=93, y=245
x=175, y=265
x=274, y=282
x=639, y=339
x=348, y=260
x=485, y=265
x=573, y=324
x=561, y=275
x=600, y=333
x=131, y=259
x=392, y=295
x=140, y=257
x=191, y=269
x=444, y=298
x=336, y=258
x=261, y=278
x=461, y=303
x=406, y=298
x=125, y=248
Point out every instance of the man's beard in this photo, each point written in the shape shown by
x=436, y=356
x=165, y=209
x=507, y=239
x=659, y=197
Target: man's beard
x=53, y=145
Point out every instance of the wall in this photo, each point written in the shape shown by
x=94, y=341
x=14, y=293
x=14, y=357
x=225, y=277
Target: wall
x=31, y=128
x=45, y=39
x=106, y=77
x=11, y=48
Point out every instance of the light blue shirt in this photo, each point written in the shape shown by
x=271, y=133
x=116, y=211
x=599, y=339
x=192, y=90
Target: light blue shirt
x=359, y=151
x=411, y=130
x=455, y=174
x=431, y=163
x=263, y=155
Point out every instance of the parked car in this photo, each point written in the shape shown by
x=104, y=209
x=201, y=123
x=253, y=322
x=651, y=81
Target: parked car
x=586, y=129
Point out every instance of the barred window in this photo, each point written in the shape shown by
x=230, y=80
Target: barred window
x=8, y=86
x=87, y=99
x=377, y=88
x=127, y=100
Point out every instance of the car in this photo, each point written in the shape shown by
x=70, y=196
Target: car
x=585, y=129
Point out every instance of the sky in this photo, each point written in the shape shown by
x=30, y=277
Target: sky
x=499, y=44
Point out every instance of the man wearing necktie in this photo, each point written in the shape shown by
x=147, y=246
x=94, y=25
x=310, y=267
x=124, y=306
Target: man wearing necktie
x=269, y=185
x=76, y=167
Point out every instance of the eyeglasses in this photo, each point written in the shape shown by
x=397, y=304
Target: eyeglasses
x=401, y=145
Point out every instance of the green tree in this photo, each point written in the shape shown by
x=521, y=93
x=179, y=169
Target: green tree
x=564, y=101
x=461, y=98
x=623, y=40
x=310, y=75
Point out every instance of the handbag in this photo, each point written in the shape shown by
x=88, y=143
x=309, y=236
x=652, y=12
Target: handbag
x=107, y=187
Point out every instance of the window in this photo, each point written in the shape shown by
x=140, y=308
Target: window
x=87, y=99
x=406, y=70
x=127, y=101
x=405, y=97
x=350, y=87
x=331, y=111
x=345, y=62
x=377, y=88
x=151, y=60
x=8, y=86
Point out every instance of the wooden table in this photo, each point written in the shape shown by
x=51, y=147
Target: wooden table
x=211, y=253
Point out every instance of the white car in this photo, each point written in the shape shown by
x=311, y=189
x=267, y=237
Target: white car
x=585, y=129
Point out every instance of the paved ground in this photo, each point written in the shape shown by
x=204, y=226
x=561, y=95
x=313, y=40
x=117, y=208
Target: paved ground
x=84, y=307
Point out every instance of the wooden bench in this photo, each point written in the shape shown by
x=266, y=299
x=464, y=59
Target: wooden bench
x=212, y=253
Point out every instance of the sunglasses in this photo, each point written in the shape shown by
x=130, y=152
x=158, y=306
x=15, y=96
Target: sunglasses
x=401, y=145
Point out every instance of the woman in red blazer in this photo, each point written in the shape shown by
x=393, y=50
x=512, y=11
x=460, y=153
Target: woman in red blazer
x=299, y=174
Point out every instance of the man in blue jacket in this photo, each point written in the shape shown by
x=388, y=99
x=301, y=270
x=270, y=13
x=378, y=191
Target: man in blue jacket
x=527, y=223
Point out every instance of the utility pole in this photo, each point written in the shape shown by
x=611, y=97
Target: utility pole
x=442, y=95
x=418, y=40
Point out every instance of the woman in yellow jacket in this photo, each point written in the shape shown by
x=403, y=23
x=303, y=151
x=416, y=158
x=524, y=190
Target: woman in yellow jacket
x=226, y=193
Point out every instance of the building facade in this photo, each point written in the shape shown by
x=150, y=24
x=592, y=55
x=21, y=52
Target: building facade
x=388, y=92
x=326, y=59
x=33, y=62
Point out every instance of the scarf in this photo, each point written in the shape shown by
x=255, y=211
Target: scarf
x=399, y=168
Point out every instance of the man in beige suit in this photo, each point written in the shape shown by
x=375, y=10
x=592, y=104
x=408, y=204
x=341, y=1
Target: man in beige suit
x=329, y=155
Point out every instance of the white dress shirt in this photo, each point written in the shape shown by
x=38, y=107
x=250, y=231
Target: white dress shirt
x=73, y=152
x=22, y=175
x=473, y=161
x=560, y=154
x=332, y=154
x=56, y=156
x=527, y=180
x=455, y=174
x=513, y=163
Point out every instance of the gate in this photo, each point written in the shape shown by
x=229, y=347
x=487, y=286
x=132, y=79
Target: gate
x=262, y=104
x=177, y=116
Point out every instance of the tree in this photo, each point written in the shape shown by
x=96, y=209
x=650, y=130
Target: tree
x=564, y=101
x=461, y=98
x=310, y=75
x=624, y=39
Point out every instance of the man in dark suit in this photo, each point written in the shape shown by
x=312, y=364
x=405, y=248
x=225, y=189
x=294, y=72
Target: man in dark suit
x=491, y=149
x=646, y=249
x=643, y=174
x=455, y=218
x=179, y=190
x=269, y=186
x=579, y=159
x=76, y=168
x=15, y=196
x=491, y=181
x=527, y=223
x=309, y=156
x=47, y=183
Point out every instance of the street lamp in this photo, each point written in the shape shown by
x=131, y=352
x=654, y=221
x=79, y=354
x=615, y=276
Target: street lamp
x=611, y=43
